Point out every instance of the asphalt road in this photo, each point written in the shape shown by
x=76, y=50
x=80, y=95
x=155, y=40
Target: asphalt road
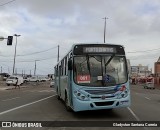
x=39, y=103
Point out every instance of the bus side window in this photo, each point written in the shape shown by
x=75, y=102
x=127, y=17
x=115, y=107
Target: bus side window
x=65, y=66
x=70, y=65
x=62, y=66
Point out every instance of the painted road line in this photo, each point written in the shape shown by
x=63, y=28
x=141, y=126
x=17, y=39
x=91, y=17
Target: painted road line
x=147, y=98
x=46, y=91
x=7, y=111
x=10, y=99
x=136, y=117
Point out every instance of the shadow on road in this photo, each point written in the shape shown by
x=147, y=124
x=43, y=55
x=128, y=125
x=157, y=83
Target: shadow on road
x=96, y=114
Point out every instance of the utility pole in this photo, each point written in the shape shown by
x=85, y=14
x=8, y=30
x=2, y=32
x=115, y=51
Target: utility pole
x=58, y=54
x=1, y=69
x=35, y=68
x=16, y=71
x=15, y=52
x=30, y=72
x=105, y=29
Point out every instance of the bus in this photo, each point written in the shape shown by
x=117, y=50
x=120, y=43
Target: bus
x=93, y=77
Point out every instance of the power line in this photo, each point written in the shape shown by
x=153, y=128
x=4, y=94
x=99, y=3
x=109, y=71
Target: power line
x=38, y=52
x=29, y=60
x=7, y=2
x=37, y=59
x=33, y=53
x=144, y=58
x=144, y=51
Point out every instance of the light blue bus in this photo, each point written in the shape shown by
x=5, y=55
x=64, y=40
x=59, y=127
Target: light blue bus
x=93, y=77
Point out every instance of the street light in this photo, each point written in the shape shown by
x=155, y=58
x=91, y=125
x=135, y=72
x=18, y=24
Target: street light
x=104, y=29
x=16, y=35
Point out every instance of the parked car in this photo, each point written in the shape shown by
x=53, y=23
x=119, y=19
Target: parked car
x=52, y=83
x=47, y=79
x=44, y=79
x=4, y=76
x=13, y=79
x=25, y=79
x=34, y=79
x=149, y=85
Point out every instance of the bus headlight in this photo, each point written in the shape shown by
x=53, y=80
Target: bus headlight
x=80, y=96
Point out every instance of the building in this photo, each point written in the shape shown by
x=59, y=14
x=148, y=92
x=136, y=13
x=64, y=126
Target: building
x=157, y=71
x=157, y=68
x=140, y=71
x=129, y=67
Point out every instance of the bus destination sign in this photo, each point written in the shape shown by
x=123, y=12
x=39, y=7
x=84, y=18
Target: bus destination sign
x=99, y=50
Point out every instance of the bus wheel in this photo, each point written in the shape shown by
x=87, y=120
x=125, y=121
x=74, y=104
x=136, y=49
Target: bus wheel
x=66, y=103
x=58, y=97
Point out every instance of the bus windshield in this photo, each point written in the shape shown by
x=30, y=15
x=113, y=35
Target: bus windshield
x=100, y=71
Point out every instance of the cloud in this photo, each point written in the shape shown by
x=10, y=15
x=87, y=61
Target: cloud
x=45, y=24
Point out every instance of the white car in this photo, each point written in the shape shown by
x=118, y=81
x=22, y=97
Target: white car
x=52, y=84
x=149, y=85
x=34, y=79
x=25, y=79
x=13, y=79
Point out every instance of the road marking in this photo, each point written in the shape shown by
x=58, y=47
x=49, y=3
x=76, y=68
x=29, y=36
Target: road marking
x=136, y=117
x=7, y=111
x=147, y=98
x=46, y=91
x=10, y=99
x=133, y=114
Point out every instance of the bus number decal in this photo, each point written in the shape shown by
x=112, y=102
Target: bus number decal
x=83, y=78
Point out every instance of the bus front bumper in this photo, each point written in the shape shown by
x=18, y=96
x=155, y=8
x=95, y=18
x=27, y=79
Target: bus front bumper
x=80, y=105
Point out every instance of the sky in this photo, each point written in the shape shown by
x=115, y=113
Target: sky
x=45, y=24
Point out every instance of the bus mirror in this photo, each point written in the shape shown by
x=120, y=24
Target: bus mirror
x=69, y=64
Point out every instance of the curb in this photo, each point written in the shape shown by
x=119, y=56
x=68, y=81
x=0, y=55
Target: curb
x=12, y=88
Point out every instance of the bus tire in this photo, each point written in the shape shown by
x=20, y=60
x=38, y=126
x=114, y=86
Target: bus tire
x=58, y=97
x=66, y=103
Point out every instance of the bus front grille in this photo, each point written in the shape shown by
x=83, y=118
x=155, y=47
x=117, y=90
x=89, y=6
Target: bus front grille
x=104, y=103
x=100, y=92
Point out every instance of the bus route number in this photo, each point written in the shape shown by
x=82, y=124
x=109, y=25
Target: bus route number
x=83, y=78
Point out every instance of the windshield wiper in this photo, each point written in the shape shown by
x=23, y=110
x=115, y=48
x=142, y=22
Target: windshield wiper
x=109, y=60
